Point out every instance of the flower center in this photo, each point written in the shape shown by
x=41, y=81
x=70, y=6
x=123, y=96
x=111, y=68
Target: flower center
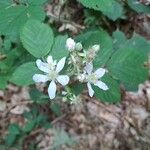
x=53, y=75
x=92, y=78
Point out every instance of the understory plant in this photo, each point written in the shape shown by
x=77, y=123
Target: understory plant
x=97, y=61
x=31, y=52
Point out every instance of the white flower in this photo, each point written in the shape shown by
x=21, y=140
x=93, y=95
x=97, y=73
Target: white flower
x=51, y=70
x=70, y=44
x=93, y=78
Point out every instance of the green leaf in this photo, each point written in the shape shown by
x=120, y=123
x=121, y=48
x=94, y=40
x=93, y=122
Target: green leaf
x=138, y=7
x=14, y=129
x=118, y=39
x=100, y=5
x=100, y=37
x=127, y=65
x=38, y=97
x=110, y=8
x=56, y=109
x=112, y=95
x=37, y=38
x=15, y=16
x=77, y=88
x=29, y=126
x=59, y=50
x=3, y=81
x=35, y=2
x=10, y=139
x=22, y=76
x=114, y=12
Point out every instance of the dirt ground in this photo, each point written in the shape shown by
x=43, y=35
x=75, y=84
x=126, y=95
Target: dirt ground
x=94, y=125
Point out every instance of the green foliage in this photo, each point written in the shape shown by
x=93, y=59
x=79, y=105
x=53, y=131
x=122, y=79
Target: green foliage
x=37, y=38
x=59, y=47
x=110, y=8
x=138, y=7
x=13, y=132
x=98, y=37
x=13, y=17
x=112, y=95
x=127, y=63
x=38, y=97
x=22, y=76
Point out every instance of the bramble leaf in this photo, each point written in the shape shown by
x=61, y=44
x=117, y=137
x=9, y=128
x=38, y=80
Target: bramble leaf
x=37, y=38
x=24, y=73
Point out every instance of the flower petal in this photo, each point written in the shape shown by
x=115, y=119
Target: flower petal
x=63, y=79
x=91, y=91
x=100, y=72
x=61, y=64
x=101, y=85
x=52, y=90
x=42, y=66
x=70, y=44
x=50, y=59
x=89, y=68
x=40, y=78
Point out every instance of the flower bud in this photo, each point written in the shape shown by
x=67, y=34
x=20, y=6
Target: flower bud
x=70, y=44
x=81, y=77
x=78, y=46
x=96, y=47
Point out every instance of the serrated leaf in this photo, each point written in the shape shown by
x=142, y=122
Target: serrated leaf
x=138, y=7
x=3, y=81
x=114, y=12
x=56, y=109
x=59, y=50
x=118, y=39
x=127, y=65
x=110, y=8
x=29, y=126
x=112, y=95
x=100, y=37
x=100, y=5
x=37, y=38
x=38, y=97
x=35, y=2
x=14, y=129
x=22, y=76
x=10, y=139
x=13, y=17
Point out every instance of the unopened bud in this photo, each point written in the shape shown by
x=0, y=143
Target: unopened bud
x=96, y=47
x=81, y=77
x=78, y=46
x=70, y=44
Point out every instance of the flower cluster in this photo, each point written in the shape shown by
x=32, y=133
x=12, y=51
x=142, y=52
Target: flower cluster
x=80, y=61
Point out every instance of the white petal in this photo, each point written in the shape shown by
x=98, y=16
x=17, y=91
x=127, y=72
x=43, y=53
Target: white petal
x=91, y=91
x=100, y=72
x=40, y=78
x=61, y=64
x=42, y=66
x=70, y=44
x=89, y=68
x=101, y=85
x=50, y=59
x=52, y=90
x=63, y=79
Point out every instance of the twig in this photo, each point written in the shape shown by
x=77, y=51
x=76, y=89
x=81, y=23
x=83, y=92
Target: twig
x=11, y=107
x=58, y=119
